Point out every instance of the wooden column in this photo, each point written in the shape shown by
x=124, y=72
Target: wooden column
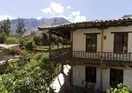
x=63, y=41
x=71, y=39
x=101, y=61
x=49, y=44
x=58, y=43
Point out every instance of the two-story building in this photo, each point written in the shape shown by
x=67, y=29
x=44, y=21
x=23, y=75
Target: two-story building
x=101, y=51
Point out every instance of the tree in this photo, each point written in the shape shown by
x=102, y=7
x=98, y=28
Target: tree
x=5, y=26
x=20, y=27
x=44, y=39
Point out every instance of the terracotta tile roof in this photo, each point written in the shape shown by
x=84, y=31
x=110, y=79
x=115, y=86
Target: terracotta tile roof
x=113, y=22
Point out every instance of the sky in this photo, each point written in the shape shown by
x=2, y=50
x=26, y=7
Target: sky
x=73, y=10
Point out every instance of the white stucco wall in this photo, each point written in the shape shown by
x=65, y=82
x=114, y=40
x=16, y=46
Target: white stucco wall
x=79, y=76
x=79, y=39
x=128, y=78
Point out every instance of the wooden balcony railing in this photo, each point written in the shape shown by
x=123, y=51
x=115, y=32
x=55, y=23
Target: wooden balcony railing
x=67, y=54
x=59, y=52
x=106, y=56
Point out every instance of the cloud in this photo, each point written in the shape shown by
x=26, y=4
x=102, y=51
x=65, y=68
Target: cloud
x=75, y=13
x=46, y=10
x=79, y=18
x=54, y=8
x=68, y=7
x=38, y=18
x=76, y=16
x=58, y=10
x=3, y=17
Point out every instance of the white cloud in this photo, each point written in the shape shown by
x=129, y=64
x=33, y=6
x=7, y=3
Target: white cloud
x=38, y=18
x=57, y=10
x=46, y=10
x=3, y=17
x=75, y=13
x=76, y=16
x=54, y=8
x=68, y=7
x=79, y=18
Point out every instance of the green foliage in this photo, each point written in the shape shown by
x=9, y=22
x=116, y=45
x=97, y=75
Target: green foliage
x=120, y=89
x=5, y=27
x=44, y=39
x=11, y=40
x=30, y=45
x=29, y=76
x=37, y=40
x=3, y=37
x=27, y=43
x=20, y=27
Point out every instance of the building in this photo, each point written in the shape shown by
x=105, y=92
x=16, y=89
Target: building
x=101, y=51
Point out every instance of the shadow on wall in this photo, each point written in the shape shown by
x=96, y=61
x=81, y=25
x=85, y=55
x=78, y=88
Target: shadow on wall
x=62, y=83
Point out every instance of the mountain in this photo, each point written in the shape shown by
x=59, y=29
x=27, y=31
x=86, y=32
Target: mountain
x=31, y=24
x=127, y=16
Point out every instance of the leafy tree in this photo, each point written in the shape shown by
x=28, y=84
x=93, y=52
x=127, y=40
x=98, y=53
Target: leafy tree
x=5, y=26
x=37, y=40
x=29, y=75
x=20, y=27
x=11, y=40
x=3, y=37
x=44, y=39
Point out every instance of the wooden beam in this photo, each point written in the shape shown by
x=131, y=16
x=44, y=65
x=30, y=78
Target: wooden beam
x=107, y=67
x=121, y=32
x=90, y=33
x=49, y=44
x=101, y=61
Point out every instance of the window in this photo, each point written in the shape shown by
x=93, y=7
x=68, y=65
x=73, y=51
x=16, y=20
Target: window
x=120, y=42
x=90, y=74
x=116, y=77
x=91, y=42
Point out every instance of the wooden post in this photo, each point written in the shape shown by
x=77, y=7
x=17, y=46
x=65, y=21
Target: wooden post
x=58, y=42
x=49, y=44
x=63, y=41
x=71, y=50
x=101, y=63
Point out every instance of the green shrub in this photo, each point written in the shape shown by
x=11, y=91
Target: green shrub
x=12, y=51
x=29, y=76
x=120, y=89
x=37, y=40
x=27, y=43
x=11, y=40
x=3, y=37
x=30, y=45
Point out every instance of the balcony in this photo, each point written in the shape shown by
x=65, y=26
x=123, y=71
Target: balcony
x=108, y=57
x=80, y=57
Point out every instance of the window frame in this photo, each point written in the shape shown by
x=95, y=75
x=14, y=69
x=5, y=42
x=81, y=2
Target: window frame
x=121, y=36
x=115, y=73
x=91, y=35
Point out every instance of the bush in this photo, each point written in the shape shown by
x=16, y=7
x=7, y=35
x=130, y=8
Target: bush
x=11, y=40
x=3, y=37
x=30, y=45
x=120, y=89
x=29, y=76
x=27, y=43
x=37, y=40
